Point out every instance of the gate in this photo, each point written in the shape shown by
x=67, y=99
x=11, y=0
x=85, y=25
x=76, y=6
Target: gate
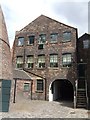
x=5, y=95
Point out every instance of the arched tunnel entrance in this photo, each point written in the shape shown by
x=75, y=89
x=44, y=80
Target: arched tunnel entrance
x=61, y=90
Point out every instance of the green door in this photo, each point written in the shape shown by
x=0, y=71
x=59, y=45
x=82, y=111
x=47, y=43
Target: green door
x=5, y=95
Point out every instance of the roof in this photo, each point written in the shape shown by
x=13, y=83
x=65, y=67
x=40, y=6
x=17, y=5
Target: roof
x=43, y=17
x=84, y=36
x=21, y=74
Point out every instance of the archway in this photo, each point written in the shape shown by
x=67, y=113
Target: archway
x=61, y=90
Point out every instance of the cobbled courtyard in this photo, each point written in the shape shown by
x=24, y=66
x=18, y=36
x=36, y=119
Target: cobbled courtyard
x=44, y=109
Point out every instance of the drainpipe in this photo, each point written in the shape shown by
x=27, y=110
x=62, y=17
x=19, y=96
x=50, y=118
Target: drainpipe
x=40, y=77
x=31, y=89
x=45, y=89
x=14, y=99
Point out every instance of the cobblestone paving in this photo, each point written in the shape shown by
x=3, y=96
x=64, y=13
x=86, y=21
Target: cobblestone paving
x=44, y=109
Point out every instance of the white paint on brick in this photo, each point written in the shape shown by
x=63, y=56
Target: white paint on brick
x=50, y=93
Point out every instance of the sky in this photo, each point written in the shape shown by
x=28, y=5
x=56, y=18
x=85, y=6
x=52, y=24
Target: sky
x=19, y=13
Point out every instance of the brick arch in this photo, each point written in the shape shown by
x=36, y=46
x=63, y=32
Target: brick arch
x=62, y=78
x=58, y=87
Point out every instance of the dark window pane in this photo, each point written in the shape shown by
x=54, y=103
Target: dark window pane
x=30, y=65
x=40, y=85
x=31, y=39
x=40, y=46
x=81, y=70
x=19, y=65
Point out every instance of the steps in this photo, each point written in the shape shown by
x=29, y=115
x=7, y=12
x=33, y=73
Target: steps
x=81, y=98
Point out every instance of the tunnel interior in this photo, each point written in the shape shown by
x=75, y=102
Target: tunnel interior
x=62, y=90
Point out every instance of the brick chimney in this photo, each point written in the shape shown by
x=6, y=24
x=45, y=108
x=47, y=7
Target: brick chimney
x=5, y=54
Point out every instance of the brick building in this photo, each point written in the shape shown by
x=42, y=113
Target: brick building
x=46, y=50
x=5, y=65
x=84, y=69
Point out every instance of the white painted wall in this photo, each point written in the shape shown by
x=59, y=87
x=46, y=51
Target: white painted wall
x=50, y=93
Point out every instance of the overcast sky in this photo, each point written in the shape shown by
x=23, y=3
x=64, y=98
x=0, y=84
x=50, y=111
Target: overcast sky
x=19, y=13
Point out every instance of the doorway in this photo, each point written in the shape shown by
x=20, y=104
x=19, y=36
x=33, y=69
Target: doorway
x=61, y=90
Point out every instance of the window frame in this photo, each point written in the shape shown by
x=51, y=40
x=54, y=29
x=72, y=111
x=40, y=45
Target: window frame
x=31, y=41
x=53, y=64
x=41, y=64
x=42, y=40
x=30, y=63
x=64, y=36
x=19, y=64
x=40, y=46
x=52, y=38
x=86, y=44
x=25, y=89
x=22, y=42
x=66, y=56
x=40, y=85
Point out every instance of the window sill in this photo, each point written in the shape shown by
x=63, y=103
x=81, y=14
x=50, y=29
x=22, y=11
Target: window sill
x=66, y=67
x=30, y=44
x=54, y=68
x=26, y=91
x=39, y=91
x=66, y=41
x=29, y=68
x=53, y=42
x=20, y=45
x=41, y=68
x=19, y=68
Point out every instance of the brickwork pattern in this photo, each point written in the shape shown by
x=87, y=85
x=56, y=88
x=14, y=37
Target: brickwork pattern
x=47, y=26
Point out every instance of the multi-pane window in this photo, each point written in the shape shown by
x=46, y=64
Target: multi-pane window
x=66, y=60
x=53, y=60
x=41, y=46
x=41, y=61
x=54, y=37
x=66, y=36
x=39, y=85
x=30, y=61
x=26, y=87
x=42, y=39
x=31, y=40
x=20, y=41
x=86, y=44
x=19, y=62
